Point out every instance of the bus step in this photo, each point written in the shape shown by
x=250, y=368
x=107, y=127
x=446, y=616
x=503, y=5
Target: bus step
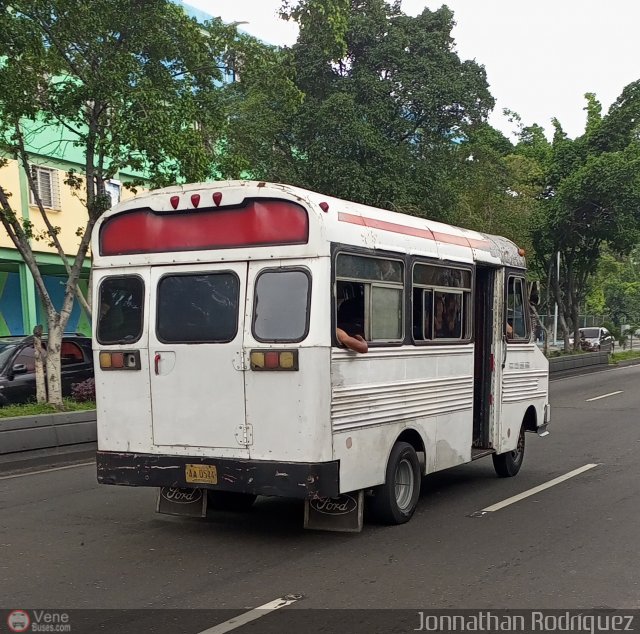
x=480, y=453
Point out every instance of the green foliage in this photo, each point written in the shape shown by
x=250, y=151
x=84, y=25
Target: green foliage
x=375, y=117
x=128, y=85
x=326, y=21
x=615, y=287
x=590, y=197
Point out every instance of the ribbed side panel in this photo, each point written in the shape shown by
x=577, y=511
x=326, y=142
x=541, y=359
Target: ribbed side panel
x=523, y=386
x=363, y=405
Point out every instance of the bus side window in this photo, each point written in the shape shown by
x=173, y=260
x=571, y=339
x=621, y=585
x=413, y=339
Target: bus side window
x=422, y=314
x=370, y=297
x=516, y=323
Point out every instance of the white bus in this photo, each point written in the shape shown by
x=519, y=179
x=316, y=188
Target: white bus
x=219, y=375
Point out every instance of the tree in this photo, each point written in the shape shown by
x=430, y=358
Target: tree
x=260, y=140
x=380, y=124
x=591, y=198
x=382, y=101
x=131, y=84
x=614, y=291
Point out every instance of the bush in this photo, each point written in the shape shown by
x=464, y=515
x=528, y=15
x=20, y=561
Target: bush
x=85, y=391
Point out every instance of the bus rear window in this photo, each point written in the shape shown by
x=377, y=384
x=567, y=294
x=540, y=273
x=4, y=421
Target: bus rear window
x=281, y=305
x=121, y=310
x=200, y=308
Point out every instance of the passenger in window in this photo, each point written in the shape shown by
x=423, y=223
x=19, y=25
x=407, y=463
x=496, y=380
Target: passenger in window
x=439, y=320
x=452, y=315
x=357, y=343
x=350, y=324
x=509, y=329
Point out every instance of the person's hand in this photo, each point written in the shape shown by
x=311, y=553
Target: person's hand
x=357, y=343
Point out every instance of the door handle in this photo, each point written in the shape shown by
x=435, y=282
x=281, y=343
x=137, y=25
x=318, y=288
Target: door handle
x=156, y=362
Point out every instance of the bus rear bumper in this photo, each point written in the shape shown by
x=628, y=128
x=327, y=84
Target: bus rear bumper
x=305, y=480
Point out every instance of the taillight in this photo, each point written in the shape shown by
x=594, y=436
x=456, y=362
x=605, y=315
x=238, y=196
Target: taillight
x=120, y=360
x=274, y=360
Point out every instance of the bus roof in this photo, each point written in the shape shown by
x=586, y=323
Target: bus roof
x=241, y=215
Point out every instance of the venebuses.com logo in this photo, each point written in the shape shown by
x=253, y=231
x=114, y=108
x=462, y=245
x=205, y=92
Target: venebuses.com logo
x=38, y=621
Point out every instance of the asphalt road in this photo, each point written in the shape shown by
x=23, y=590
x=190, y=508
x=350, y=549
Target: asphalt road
x=69, y=543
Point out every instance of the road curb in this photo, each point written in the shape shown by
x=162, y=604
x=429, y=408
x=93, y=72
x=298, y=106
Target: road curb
x=48, y=433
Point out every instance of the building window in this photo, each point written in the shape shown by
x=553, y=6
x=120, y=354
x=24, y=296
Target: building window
x=47, y=185
x=114, y=189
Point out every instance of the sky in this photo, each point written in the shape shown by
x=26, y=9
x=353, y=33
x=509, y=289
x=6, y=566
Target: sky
x=541, y=56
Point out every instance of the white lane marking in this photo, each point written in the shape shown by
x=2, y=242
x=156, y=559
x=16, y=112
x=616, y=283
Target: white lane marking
x=541, y=487
x=28, y=473
x=597, y=398
x=252, y=615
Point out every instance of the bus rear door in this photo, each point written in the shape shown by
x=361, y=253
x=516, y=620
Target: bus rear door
x=196, y=349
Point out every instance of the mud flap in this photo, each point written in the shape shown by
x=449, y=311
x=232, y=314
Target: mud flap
x=343, y=514
x=185, y=502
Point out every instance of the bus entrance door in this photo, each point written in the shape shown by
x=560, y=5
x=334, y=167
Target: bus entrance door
x=484, y=359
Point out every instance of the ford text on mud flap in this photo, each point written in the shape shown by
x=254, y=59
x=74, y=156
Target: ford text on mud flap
x=343, y=513
x=259, y=339
x=184, y=502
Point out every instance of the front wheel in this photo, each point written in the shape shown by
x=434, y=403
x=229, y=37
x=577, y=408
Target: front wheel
x=395, y=501
x=508, y=464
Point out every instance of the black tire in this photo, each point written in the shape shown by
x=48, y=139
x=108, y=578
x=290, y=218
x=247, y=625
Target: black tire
x=229, y=501
x=395, y=501
x=508, y=464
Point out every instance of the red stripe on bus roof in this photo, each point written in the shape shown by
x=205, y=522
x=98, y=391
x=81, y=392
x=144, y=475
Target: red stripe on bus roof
x=413, y=231
x=386, y=226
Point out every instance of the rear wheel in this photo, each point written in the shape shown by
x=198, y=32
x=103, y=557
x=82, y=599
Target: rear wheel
x=508, y=464
x=229, y=501
x=395, y=501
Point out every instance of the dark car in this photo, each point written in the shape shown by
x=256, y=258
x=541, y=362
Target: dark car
x=17, y=366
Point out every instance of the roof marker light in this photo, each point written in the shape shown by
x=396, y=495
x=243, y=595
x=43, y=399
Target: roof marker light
x=324, y=206
x=175, y=201
x=195, y=199
x=217, y=198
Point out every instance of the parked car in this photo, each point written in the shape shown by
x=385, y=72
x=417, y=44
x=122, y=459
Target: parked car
x=595, y=339
x=17, y=366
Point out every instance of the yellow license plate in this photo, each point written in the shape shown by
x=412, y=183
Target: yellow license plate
x=201, y=474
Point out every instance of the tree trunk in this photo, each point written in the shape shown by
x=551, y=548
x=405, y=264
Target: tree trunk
x=562, y=322
x=54, y=382
x=41, y=387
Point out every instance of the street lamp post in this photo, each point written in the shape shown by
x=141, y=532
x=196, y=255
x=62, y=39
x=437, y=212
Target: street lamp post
x=555, y=315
